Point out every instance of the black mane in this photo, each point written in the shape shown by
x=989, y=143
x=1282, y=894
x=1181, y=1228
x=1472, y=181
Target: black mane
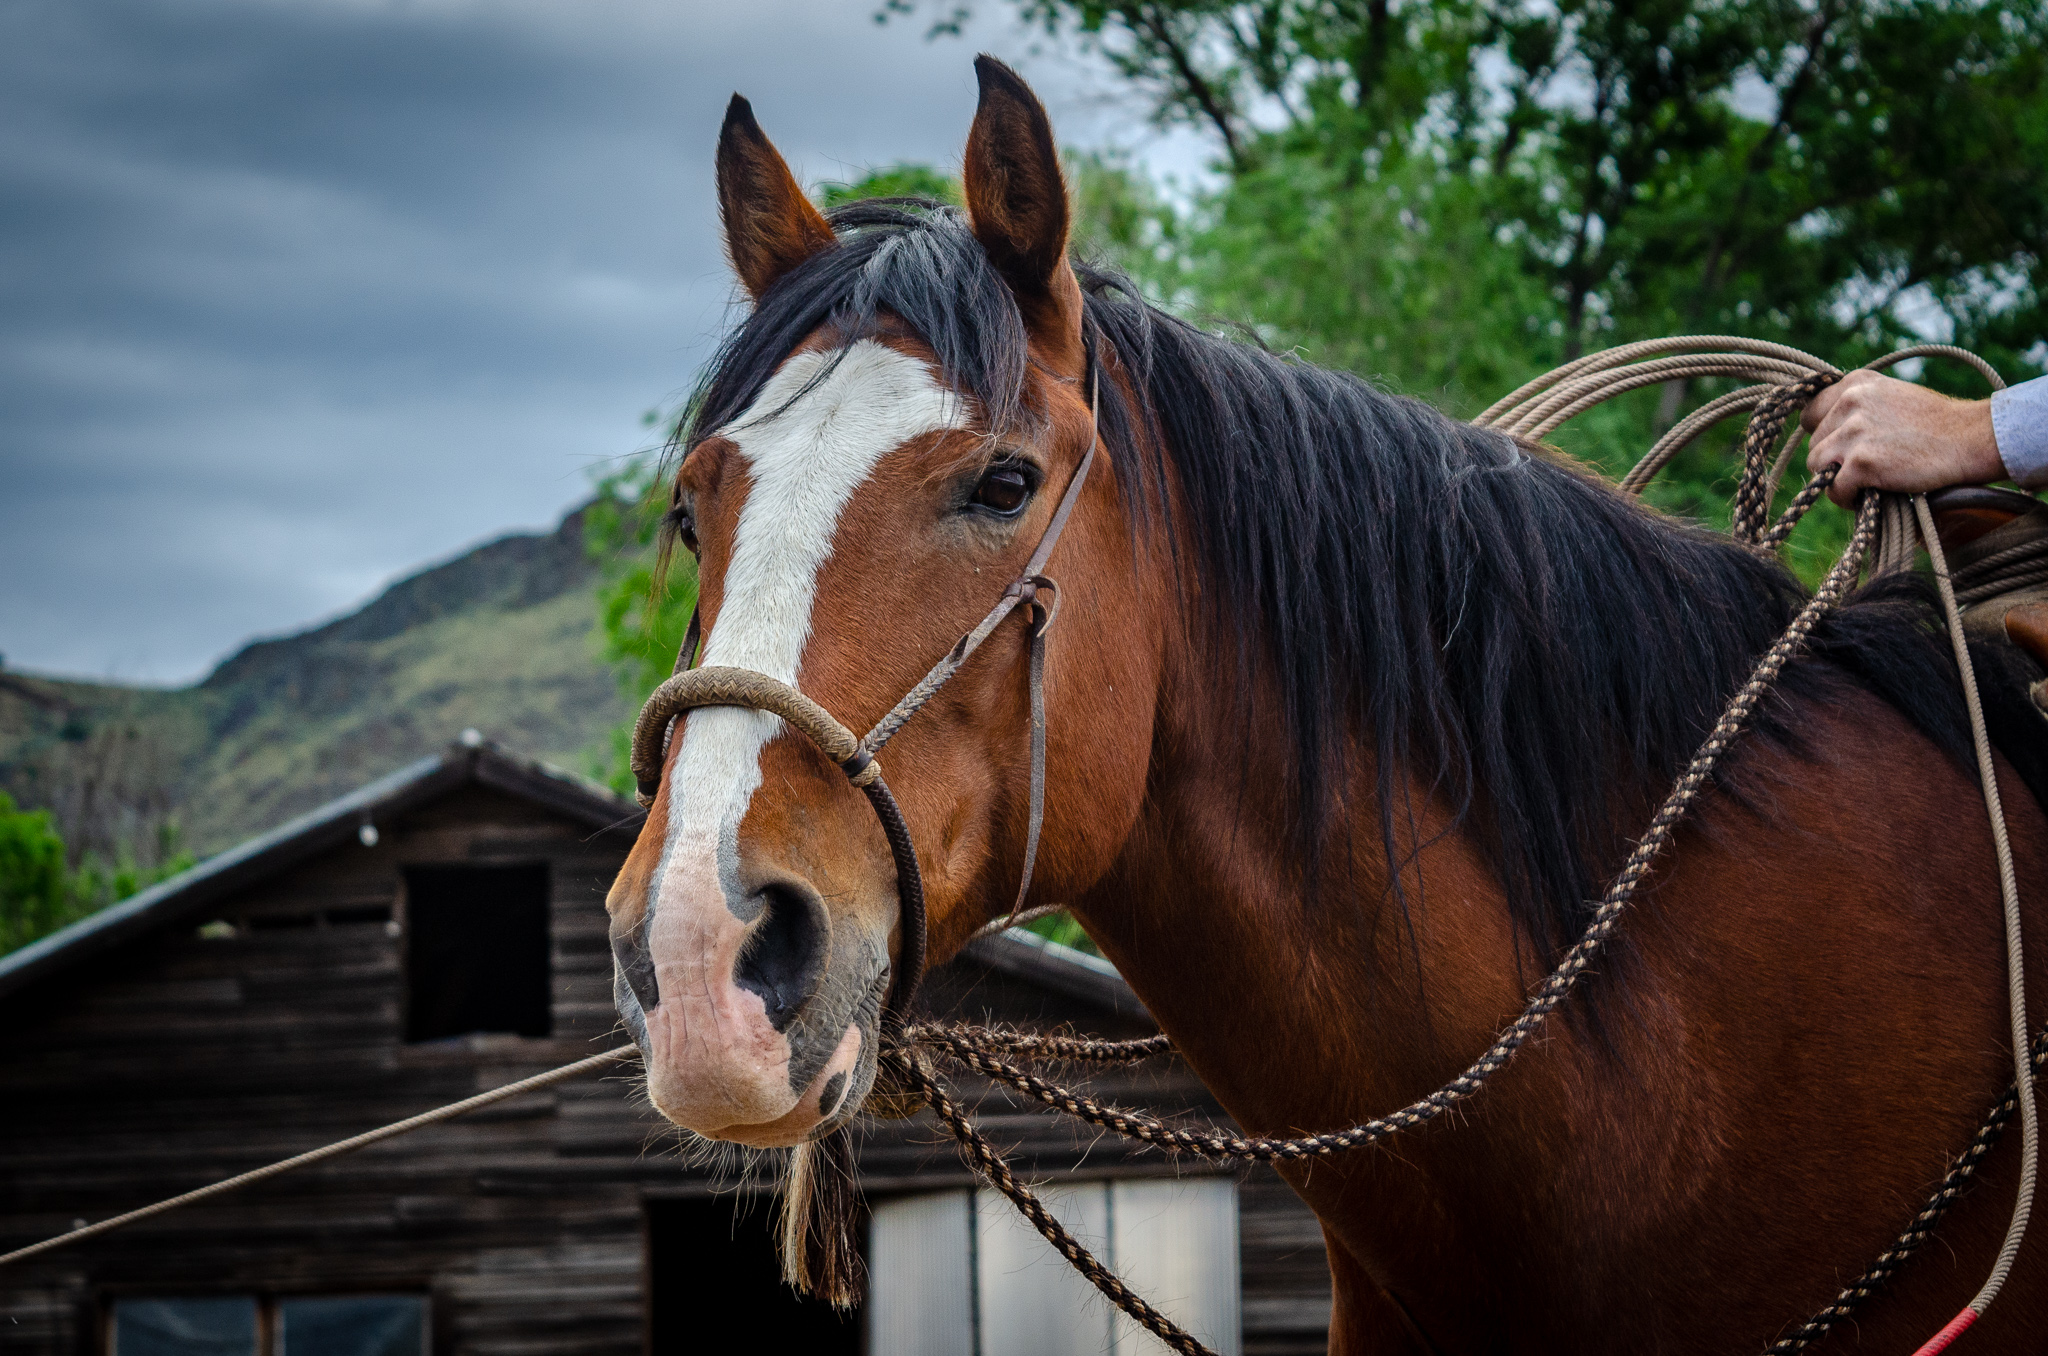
x=1498, y=623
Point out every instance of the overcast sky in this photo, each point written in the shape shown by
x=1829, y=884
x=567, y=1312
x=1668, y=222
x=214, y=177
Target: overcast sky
x=298, y=295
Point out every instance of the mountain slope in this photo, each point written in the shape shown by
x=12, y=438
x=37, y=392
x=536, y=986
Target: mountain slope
x=499, y=640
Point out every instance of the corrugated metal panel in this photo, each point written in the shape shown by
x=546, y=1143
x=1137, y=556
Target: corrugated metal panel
x=1175, y=1243
x=1032, y=1302
x=920, y=1275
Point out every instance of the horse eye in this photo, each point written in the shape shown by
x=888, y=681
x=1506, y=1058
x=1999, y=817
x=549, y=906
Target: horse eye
x=684, y=527
x=1004, y=489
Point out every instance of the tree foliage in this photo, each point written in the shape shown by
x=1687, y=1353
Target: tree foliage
x=906, y=180
x=1824, y=172
x=644, y=603
x=34, y=888
x=40, y=894
x=1451, y=196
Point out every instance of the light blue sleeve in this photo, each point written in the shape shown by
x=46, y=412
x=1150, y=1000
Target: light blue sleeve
x=2019, y=421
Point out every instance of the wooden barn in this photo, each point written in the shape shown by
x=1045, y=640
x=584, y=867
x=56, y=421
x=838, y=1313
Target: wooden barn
x=441, y=932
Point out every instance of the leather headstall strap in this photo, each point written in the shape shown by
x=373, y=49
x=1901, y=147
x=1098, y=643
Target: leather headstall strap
x=690, y=687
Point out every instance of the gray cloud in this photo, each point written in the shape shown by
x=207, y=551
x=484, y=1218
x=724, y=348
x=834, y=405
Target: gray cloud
x=297, y=296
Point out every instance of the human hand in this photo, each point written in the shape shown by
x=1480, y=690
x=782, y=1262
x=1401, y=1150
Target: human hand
x=1889, y=434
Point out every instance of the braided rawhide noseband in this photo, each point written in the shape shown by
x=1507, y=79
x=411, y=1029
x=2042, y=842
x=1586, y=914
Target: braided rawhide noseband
x=692, y=688
x=689, y=688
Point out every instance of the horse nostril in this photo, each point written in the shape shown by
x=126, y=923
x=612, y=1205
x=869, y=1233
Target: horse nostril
x=635, y=966
x=784, y=958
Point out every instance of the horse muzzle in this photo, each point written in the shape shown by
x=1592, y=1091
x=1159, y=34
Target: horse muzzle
x=756, y=1014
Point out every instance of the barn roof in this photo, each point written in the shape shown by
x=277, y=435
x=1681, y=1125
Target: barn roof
x=470, y=761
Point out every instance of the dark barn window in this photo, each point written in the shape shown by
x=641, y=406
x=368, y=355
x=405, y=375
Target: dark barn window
x=222, y=1325
x=476, y=951
x=249, y=1325
x=712, y=1269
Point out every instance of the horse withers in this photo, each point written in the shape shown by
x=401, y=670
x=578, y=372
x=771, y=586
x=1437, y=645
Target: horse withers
x=1352, y=710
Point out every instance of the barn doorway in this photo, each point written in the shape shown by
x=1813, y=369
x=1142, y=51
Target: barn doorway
x=714, y=1284
x=476, y=951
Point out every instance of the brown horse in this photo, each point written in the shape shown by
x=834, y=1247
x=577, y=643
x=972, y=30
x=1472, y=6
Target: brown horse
x=1353, y=708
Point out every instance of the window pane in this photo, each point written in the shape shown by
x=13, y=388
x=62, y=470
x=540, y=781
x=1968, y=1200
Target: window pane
x=185, y=1327
x=1032, y=1302
x=352, y=1325
x=920, y=1255
x=1176, y=1244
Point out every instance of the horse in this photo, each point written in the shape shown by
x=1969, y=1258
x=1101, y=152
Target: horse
x=1352, y=709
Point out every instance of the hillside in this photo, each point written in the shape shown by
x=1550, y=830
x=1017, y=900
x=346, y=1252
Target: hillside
x=499, y=639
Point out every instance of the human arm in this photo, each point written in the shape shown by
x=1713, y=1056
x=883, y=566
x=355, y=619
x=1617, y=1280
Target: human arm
x=1893, y=435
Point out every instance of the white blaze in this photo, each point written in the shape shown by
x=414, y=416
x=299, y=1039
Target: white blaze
x=806, y=452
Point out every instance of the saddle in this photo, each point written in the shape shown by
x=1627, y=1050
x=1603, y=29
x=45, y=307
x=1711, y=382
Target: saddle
x=1997, y=547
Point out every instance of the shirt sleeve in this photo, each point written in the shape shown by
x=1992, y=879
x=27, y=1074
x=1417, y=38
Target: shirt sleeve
x=2019, y=421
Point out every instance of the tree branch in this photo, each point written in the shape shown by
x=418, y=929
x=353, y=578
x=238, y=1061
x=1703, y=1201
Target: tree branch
x=1718, y=251
x=1576, y=271
x=1159, y=29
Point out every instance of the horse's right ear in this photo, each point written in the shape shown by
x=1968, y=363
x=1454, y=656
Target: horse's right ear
x=770, y=226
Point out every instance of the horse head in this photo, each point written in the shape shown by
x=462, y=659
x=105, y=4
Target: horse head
x=873, y=461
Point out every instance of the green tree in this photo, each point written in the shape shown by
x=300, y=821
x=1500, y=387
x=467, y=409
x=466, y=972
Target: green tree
x=904, y=180
x=96, y=883
x=39, y=895
x=644, y=602
x=1826, y=171
x=1451, y=196
x=35, y=893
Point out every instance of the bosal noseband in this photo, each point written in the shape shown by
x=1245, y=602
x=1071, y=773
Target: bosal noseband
x=689, y=688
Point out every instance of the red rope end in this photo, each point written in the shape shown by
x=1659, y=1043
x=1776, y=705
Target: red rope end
x=1955, y=1328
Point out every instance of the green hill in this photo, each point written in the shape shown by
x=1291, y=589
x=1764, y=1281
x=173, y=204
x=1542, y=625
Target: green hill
x=499, y=640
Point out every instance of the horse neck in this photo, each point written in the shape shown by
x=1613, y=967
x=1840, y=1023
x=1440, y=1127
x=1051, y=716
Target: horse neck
x=1296, y=1011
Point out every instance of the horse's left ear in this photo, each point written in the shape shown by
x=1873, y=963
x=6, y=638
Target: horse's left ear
x=1017, y=200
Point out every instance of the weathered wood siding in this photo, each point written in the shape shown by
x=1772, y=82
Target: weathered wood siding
x=201, y=1051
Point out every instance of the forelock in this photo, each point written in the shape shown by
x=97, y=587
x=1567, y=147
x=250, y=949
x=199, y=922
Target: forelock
x=911, y=260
